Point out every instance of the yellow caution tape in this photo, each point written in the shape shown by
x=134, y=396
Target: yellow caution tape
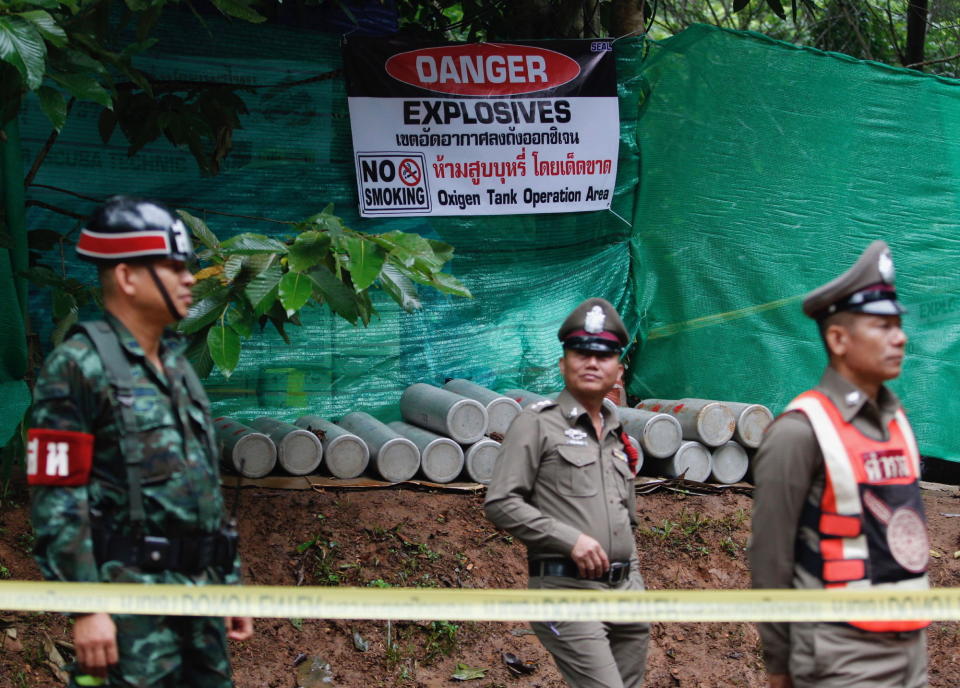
x=483, y=605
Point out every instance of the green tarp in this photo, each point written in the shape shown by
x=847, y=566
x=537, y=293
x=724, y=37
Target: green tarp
x=750, y=171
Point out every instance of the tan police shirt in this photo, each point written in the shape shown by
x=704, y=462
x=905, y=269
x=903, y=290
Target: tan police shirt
x=554, y=480
x=788, y=470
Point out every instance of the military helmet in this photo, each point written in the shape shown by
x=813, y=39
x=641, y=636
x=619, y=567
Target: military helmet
x=126, y=228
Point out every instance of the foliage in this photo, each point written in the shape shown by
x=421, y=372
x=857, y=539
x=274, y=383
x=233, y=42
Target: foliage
x=251, y=280
x=61, y=50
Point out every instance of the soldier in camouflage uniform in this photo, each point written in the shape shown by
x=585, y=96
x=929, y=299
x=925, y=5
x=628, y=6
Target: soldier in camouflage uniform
x=123, y=461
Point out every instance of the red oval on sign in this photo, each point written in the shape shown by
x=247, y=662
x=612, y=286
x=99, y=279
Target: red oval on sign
x=483, y=69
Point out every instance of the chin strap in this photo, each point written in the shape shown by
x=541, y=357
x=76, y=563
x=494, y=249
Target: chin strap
x=163, y=292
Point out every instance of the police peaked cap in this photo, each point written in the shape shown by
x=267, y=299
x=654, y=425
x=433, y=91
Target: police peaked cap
x=127, y=228
x=594, y=325
x=866, y=287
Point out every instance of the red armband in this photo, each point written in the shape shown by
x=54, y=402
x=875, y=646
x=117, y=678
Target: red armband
x=59, y=457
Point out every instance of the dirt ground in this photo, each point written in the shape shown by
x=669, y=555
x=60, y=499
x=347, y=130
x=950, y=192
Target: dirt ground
x=412, y=537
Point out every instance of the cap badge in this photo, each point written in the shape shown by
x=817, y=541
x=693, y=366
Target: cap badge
x=885, y=266
x=594, y=320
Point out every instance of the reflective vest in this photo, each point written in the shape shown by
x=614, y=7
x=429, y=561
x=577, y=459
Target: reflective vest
x=870, y=523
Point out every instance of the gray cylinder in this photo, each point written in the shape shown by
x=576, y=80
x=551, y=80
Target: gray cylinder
x=728, y=463
x=752, y=420
x=479, y=460
x=524, y=398
x=441, y=459
x=709, y=422
x=299, y=451
x=636, y=445
x=501, y=409
x=461, y=419
x=394, y=457
x=659, y=434
x=691, y=458
x=345, y=455
x=250, y=453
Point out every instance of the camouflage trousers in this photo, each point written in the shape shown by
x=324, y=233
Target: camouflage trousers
x=169, y=652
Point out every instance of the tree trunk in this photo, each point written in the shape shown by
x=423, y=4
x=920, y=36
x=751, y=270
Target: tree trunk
x=916, y=32
x=626, y=16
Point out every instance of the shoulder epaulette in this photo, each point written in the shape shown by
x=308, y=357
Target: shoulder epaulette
x=542, y=404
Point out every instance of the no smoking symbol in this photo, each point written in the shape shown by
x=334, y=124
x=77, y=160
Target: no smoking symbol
x=410, y=173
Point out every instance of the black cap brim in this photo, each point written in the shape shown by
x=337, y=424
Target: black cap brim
x=595, y=344
x=882, y=307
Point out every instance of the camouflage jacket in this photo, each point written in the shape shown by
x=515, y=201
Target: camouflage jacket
x=180, y=474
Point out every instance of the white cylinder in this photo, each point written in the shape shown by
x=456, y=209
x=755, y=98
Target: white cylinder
x=299, y=451
x=525, y=398
x=752, y=420
x=501, y=409
x=395, y=458
x=461, y=419
x=692, y=461
x=728, y=463
x=480, y=459
x=250, y=453
x=345, y=455
x=710, y=422
x=441, y=459
x=659, y=434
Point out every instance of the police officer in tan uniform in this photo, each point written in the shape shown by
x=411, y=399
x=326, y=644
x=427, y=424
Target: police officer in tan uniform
x=564, y=486
x=837, y=501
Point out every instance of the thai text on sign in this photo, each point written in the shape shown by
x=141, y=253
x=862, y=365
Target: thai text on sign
x=482, y=128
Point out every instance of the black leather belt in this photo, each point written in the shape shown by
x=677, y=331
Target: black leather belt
x=190, y=554
x=618, y=571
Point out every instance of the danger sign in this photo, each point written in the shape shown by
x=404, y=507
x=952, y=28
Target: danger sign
x=392, y=183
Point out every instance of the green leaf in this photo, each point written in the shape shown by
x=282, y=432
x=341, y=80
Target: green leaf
x=199, y=354
x=240, y=9
x=327, y=221
x=466, y=672
x=308, y=249
x=442, y=250
x=106, y=124
x=232, y=266
x=341, y=298
x=262, y=289
x=63, y=302
x=22, y=46
x=47, y=26
x=366, y=260
x=199, y=230
x=248, y=244
x=206, y=310
x=83, y=87
x=53, y=106
x=295, y=290
x=224, y=346
x=63, y=326
x=410, y=250
x=450, y=285
x=241, y=318
x=400, y=288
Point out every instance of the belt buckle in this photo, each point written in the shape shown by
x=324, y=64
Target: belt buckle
x=617, y=572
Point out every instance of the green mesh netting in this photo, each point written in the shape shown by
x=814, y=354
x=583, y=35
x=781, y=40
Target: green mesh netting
x=750, y=171
x=766, y=170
